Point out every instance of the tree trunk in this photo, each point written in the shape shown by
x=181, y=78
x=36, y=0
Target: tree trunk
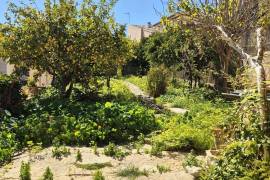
x=108, y=83
x=264, y=109
x=119, y=71
x=255, y=63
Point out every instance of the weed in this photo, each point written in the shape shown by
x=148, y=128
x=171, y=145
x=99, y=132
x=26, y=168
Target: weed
x=191, y=160
x=98, y=176
x=59, y=152
x=132, y=172
x=79, y=156
x=156, y=149
x=94, y=166
x=25, y=171
x=163, y=169
x=48, y=175
x=95, y=150
x=113, y=151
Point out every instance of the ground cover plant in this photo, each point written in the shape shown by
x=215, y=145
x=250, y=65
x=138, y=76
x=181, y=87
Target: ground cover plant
x=72, y=122
x=192, y=130
x=49, y=120
x=132, y=172
x=94, y=166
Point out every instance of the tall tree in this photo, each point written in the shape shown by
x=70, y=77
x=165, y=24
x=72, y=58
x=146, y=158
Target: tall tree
x=69, y=42
x=180, y=49
x=228, y=20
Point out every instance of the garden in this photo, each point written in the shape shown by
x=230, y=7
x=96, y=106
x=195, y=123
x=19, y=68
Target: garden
x=162, y=108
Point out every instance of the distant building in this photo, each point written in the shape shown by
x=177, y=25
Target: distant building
x=138, y=32
x=44, y=80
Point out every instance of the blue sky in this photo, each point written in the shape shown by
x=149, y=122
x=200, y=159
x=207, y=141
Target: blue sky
x=126, y=11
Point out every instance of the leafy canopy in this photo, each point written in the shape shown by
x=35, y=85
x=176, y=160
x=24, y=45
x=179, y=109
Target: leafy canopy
x=69, y=41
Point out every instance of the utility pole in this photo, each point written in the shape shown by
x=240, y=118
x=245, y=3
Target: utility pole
x=128, y=14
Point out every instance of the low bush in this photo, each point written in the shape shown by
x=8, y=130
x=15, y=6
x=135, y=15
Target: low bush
x=157, y=81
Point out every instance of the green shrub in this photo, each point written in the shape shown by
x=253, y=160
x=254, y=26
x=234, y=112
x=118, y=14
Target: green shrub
x=239, y=160
x=157, y=81
x=10, y=94
x=48, y=175
x=25, y=171
x=98, y=176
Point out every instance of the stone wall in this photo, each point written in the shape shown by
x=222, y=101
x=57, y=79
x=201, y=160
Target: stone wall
x=6, y=68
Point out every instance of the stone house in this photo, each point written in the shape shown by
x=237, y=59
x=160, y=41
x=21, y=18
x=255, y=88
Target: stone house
x=43, y=81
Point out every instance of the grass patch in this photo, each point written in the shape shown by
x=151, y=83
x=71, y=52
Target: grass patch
x=163, y=169
x=94, y=166
x=132, y=172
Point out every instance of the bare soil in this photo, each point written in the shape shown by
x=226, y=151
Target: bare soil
x=66, y=170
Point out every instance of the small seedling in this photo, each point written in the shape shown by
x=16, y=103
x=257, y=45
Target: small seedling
x=191, y=160
x=59, y=152
x=98, y=176
x=95, y=151
x=132, y=172
x=163, y=169
x=79, y=156
x=156, y=150
x=94, y=166
x=138, y=147
x=113, y=151
x=25, y=171
x=141, y=138
x=48, y=175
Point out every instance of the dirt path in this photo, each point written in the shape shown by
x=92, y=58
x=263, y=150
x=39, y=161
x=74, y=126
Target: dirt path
x=66, y=170
x=139, y=93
